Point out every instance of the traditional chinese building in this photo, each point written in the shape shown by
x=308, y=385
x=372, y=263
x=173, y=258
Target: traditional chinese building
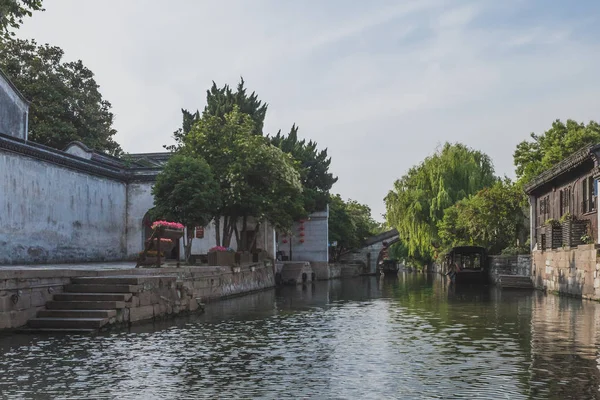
x=564, y=225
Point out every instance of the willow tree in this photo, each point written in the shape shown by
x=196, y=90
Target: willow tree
x=417, y=202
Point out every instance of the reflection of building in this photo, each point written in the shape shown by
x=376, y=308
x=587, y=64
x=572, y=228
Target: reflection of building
x=564, y=344
x=564, y=225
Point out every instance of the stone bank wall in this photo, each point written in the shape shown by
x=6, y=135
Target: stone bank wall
x=573, y=271
x=509, y=265
x=24, y=292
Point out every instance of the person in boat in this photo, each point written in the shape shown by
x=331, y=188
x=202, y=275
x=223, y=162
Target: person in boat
x=453, y=270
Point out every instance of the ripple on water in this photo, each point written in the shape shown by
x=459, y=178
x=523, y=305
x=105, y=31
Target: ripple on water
x=411, y=339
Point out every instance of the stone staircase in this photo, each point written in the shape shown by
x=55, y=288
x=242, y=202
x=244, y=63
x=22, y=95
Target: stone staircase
x=87, y=305
x=515, y=282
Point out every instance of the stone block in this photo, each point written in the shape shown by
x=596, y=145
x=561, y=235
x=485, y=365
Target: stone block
x=141, y=313
x=147, y=298
x=135, y=302
x=160, y=310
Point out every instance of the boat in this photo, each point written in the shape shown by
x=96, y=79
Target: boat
x=388, y=267
x=472, y=263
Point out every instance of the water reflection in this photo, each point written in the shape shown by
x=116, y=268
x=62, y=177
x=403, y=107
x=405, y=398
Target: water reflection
x=412, y=336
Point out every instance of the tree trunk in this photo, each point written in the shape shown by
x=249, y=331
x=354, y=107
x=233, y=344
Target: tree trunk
x=256, y=230
x=187, y=244
x=244, y=233
x=218, y=229
x=226, y=239
x=237, y=238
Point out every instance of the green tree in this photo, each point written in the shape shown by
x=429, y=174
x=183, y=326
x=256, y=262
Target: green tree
x=187, y=192
x=544, y=151
x=66, y=105
x=256, y=179
x=313, y=167
x=492, y=218
x=12, y=13
x=419, y=199
x=219, y=103
x=350, y=224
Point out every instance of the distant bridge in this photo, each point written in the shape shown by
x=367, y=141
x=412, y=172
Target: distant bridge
x=371, y=251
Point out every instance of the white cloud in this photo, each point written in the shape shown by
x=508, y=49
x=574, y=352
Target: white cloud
x=379, y=83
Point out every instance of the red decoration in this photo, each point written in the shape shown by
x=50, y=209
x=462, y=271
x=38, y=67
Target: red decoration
x=301, y=240
x=301, y=233
x=284, y=240
x=301, y=228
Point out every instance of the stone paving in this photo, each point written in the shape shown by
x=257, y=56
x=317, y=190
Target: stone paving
x=92, y=266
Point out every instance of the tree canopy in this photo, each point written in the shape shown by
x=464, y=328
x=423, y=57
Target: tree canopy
x=313, y=167
x=256, y=179
x=560, y=141
x=419, y=199
x=187, y=192
x=492, y=218
x=221, y=101
x=350, y=224
x=66, y=104
x=12, y=13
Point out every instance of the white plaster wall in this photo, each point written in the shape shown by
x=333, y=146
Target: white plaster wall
x=316, y=239
x=78, y=151
x=51, y=213
x=139, y=201
x=201, y=246
x=13, y=111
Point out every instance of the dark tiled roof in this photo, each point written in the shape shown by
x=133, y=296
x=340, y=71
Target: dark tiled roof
x=566, y=165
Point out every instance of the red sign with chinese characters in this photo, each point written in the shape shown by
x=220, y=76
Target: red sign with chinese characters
x=199, y=232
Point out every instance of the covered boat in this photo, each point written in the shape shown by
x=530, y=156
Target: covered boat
x=472, y=264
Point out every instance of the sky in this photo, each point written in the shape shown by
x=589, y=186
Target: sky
x=381, y=84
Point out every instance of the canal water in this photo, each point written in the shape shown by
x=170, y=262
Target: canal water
x=410, y=337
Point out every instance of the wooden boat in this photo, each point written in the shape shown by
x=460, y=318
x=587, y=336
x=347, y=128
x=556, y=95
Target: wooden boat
x=472, y=265
x=388, y=267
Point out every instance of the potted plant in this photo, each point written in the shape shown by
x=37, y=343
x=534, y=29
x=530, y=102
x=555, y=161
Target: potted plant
x=221, y=256
x=243, y=257
x=168, y=230
x=166, y=245
x=150, y=258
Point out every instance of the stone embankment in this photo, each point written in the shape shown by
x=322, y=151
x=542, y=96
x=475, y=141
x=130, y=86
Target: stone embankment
x=84, y=299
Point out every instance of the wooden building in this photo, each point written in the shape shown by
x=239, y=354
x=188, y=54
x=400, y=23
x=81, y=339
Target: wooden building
x=563, y=202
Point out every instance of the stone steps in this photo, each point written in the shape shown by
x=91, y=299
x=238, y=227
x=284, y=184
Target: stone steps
x=67, y=323
x=84, y=305
x=92, y=296
x=101, y=288
x=515, y=282
x=89, y=303
x=77, y=314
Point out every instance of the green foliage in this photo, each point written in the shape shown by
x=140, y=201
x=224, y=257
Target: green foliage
x=313, y=166
x=66, y=105
x=255, y=178
x=492, y=218
x=12, y=13
x=560, y=141
x=420, y=198
x=350, y=224
x=187, y=192
x=219, y=103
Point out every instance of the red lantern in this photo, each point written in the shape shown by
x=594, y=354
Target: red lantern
x=301, y=233
x=284, y=240
x=301, y=240
x=301, y=228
